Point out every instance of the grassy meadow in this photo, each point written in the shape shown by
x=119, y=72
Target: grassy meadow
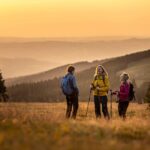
x=42, y=126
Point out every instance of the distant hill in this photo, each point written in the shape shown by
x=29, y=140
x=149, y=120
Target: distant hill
x=64, y=51
x=136, y=64
x=13, y=67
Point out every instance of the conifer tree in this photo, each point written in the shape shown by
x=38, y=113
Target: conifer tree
x=3, y=94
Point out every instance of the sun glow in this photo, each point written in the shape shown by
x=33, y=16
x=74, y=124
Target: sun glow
x=52, y=18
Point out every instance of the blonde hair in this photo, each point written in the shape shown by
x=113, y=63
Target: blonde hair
x=124, y=76
x=104, y=71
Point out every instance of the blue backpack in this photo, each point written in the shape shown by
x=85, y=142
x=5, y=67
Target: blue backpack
x=66, y=85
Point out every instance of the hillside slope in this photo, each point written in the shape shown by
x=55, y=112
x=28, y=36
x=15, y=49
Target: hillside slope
x=136, y=64
x=51, y=74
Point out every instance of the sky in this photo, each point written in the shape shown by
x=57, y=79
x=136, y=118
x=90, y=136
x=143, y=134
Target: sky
x=74, y=18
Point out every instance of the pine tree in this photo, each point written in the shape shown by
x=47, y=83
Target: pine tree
x=3, y=95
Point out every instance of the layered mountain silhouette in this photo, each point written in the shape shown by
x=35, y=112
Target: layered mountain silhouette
x=45, y=86
x=64, y=51
x=46, y=53
x=13, y=67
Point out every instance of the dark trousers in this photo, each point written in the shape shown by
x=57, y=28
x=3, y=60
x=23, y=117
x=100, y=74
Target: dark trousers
x=122, y=108
x=98, y=100
x=72, y=106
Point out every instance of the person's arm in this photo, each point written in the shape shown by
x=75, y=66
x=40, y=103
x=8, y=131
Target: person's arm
x=74, y=85
x=74, y=82
x=93, y=84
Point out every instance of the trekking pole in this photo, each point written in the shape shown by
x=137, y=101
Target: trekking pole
x=111, y=103
x=88, y=103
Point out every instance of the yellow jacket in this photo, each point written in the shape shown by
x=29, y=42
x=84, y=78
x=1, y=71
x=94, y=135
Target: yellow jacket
x=100, y=86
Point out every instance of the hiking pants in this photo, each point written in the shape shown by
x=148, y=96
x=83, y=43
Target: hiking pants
x=122, y=108
x=72, y=106
x=98, y=100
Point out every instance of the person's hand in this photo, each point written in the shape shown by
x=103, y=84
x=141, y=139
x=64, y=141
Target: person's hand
x=91, y=86
x=117, y=92
x=98, y=88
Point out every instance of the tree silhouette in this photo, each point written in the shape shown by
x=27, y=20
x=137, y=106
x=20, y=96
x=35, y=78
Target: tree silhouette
x=3, y=94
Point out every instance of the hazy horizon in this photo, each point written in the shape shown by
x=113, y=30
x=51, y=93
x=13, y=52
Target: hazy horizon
x=47, y=49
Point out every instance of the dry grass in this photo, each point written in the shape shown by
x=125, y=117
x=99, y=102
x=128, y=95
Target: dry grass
x=43, y=126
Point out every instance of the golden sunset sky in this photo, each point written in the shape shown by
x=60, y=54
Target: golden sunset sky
x=74, y=18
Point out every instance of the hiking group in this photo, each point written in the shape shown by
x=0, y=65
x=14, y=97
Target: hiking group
x=100, y=88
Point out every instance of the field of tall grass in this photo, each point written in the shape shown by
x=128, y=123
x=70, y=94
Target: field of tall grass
x=42, y=126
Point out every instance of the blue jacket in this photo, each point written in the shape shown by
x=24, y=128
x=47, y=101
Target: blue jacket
x=72, y=86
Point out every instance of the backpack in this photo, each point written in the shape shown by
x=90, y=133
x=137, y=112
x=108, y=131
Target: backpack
x=131, y=92
x=65, y=85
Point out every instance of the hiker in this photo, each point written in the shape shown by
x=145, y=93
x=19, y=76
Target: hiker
x=100, y=87
x=123, y=95
x=70, y=90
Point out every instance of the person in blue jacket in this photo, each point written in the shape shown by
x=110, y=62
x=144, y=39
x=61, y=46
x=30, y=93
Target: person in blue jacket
x=70, y=90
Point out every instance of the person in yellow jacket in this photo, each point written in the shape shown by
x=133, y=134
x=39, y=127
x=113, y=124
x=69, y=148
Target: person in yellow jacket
x=100, y=87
